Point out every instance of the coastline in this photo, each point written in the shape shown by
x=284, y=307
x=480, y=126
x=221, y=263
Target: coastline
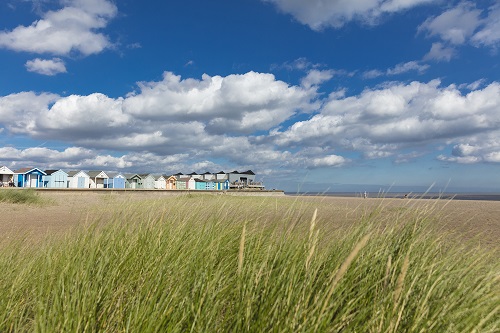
x=401, y=195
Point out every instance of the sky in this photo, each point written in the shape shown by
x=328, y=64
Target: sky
x=312, y=95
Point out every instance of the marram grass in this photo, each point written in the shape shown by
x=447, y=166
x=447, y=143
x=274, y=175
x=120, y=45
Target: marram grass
x=20, y=196
x=221, y=264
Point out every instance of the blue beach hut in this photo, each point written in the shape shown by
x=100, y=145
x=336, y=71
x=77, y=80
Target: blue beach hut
x=29, y=177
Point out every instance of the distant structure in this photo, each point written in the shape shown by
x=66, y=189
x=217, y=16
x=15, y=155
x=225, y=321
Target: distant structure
x=95, y=179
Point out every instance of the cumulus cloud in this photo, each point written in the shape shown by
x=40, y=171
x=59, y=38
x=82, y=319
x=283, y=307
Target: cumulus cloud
x=483, y=147
x=462, y=24
x=235, y=103
x=73, y=28
x=46, y=67
x=178, y=117
x=455, y=25
x=380, y=122
x=76, y=158
x=18, y=111
x=169, y=117
x=320, y=14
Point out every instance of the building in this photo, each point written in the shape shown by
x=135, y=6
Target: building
x=29, y=177
x=98, y=179
x=115, y=180
x=55, y=179
x=6, y=176
x=133, y=181
x=78, y=179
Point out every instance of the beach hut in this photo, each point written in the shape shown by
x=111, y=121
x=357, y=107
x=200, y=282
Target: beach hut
x=98, y=179
x=78, y=179
x=191, y=183
x=221, y=184
x=171, y=183
x=209, y=185
x=161, y=182
x=133, y=181
x=55, y=179
x=181, y=182
x=29, y=177
x=115, y=180
x=199, y=184
x=6, y=176
x=148, y=181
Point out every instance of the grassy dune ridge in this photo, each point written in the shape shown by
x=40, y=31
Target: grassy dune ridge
x=202, y=263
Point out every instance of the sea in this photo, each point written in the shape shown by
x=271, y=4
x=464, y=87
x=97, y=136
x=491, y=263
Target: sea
x=401, y=195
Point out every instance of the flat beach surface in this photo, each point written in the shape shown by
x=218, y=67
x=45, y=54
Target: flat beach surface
x=470, y=220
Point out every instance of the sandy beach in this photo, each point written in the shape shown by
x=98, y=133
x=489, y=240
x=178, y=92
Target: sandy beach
x=474, y=220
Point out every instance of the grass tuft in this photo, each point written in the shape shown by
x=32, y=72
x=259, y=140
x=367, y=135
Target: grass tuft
x=20, y=196
x=249, y=265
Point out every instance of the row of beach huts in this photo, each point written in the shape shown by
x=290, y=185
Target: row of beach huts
x=37, y=178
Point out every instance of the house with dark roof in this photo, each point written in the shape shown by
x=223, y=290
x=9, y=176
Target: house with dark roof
x=148, y=181
x=115, y=180
x=161, y=182
x=133, y=180
x=55, y=179
x=29, y=177
x=98, y=179
x=78, y=179
x=242, y=178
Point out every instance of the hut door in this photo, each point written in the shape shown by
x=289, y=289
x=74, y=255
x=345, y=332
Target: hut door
x=34, y=182
x=81, y=182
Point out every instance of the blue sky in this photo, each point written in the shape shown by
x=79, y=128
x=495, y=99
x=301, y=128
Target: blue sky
x=313, y=95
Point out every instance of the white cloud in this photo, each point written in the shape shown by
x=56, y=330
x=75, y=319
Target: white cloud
x=76, y=158
x=397, y=70
x=481, y=147
x=18, y=111
x=463, y=24
x=235, y=103
x=380, y=122
x=70, y=29
x=407, y=67
x=316, y=77
x=175, y=117
x=46, y=67
x=76, y=116
x=320, y=14
x=455, y=25
x=327, y=161
x=489, y=34
x=372, y=74
x=439, y=52
x=165, y=118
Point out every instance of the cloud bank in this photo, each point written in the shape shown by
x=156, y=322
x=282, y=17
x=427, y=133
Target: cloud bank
x=250, y=120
